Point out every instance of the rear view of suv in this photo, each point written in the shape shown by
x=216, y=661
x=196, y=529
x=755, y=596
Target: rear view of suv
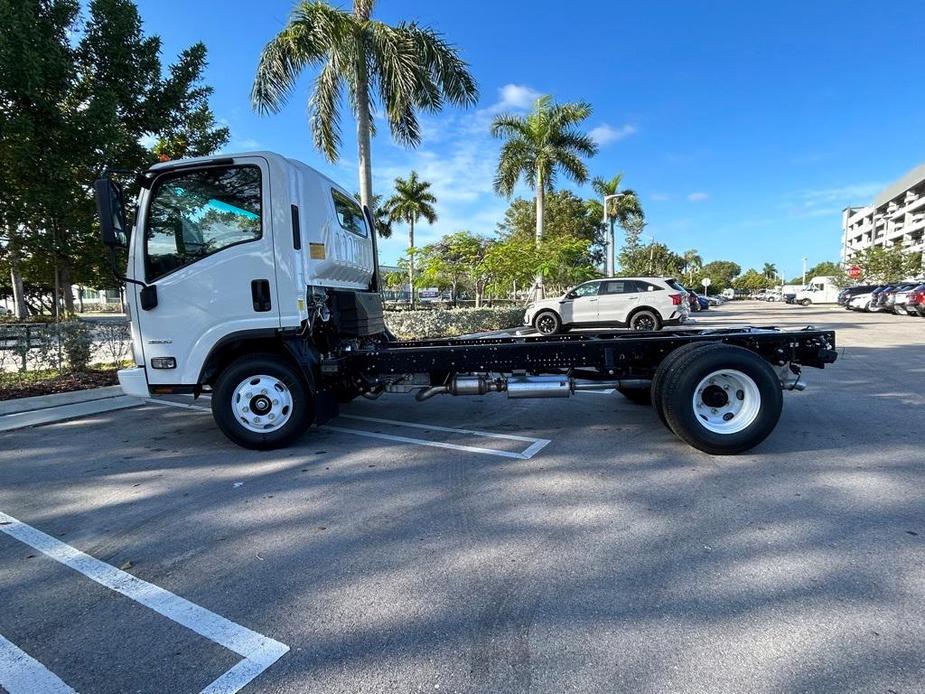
x=639, y=303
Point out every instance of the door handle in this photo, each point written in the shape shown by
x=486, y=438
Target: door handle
x=260, y=293
x=592, y=300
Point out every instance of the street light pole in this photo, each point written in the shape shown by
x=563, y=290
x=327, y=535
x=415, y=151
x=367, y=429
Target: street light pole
x=609, y=247
x=804, y=272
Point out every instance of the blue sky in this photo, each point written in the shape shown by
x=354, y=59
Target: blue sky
x=744, y=127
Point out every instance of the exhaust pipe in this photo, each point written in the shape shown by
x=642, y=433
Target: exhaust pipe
x=517, y=387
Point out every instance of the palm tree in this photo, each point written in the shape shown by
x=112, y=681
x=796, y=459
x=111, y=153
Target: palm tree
x=536, y=147
x=411, y=201
x=619, y=209
x=692, y=263
x=769, y=270
x=405, y=68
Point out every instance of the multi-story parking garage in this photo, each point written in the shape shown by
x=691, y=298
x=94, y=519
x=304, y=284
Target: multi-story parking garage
x=897, y=215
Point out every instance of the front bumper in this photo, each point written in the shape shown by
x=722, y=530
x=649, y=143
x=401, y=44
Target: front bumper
x=134, y=382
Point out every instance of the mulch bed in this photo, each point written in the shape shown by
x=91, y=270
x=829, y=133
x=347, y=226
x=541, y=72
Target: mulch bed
x=63, y=383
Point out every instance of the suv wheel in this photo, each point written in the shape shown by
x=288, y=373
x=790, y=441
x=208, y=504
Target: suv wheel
x=547, y=323
x=646, y=320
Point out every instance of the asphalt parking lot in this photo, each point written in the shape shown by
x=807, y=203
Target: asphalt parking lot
x=482, y=545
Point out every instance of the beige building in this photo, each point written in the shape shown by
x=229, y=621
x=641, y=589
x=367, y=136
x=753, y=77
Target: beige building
x=896, y=216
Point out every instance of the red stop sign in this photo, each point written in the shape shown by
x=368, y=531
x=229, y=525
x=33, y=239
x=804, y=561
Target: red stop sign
x=854, y=272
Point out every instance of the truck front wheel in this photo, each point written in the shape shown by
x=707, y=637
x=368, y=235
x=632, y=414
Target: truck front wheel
x=722, y=400
x=261, y=402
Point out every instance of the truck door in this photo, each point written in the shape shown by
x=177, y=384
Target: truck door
x=205, y=242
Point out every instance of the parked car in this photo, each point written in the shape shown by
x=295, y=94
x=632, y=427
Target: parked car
x=897, y=301
x=820, y=290
x=716, y=300
x=845, y=295
x=915, y=304
x=639, y=303
x=873, y=305
x=702, y=300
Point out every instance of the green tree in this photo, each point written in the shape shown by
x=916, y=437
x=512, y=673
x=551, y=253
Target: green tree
x=753, y=281
x=566, y=215
x=722, y=273
x=411, y=201
x=405, y=68
x=73, y=100
x=769, y=271
x=654, y=259
x=536, y=147
x=456, y=261
x=620, y=210
x=887, y=265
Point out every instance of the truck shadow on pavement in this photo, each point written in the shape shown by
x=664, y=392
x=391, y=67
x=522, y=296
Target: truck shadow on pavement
x=629, y=564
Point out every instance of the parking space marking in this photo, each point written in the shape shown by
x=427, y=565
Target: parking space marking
x=259, y=651
x=536, y=444
x=20, y=673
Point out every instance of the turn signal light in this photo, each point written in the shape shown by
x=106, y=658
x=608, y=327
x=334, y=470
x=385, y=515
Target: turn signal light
x=163, y=363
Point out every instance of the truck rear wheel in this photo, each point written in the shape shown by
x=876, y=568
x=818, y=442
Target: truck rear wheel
x=723, y=400
x=667, y=365
x=261, y=402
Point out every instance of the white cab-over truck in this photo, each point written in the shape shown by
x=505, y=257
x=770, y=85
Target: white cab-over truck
x=254, y=278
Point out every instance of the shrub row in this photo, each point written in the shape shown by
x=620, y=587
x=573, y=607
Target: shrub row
x=451, y=322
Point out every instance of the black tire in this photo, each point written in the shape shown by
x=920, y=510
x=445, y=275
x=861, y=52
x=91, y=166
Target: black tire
x=637, y=396
x=680, y=385
x=299, y=417
x=805, y=302
x=666, y=367
x=645, y=320
x=547, y=323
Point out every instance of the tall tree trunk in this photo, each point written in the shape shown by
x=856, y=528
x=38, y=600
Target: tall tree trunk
x=411, y=260
x=56, y=303
x=540, y=209
x=66, y=289
x=364, y=157
x=19, y=294
x=612, y=246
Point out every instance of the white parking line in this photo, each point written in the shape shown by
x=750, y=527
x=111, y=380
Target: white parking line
x=20, y=673
x=259, y=651
x=536, y=445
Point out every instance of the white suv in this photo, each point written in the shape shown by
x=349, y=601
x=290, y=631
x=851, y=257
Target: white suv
x=639, y=303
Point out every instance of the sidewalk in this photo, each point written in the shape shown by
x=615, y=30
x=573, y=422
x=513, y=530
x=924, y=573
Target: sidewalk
x=48, y=409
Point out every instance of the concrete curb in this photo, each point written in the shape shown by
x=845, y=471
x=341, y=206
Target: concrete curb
x=63, y=413
x=44, y=402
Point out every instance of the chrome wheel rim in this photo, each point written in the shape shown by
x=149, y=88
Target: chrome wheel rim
x=262, y=403
x=726, y=401
x=546, y=324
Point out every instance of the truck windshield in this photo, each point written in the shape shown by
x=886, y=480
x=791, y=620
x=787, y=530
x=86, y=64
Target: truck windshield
x=193, y=214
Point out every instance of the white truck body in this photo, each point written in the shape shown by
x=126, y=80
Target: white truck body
x=820, y=290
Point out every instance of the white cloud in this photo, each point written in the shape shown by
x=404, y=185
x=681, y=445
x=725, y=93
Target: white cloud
x=698, y=197
x=604, y=134
x=660, y=197
x=828, y=202
x=516, y=97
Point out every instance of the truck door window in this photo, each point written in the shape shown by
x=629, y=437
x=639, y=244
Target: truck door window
x=349, y=214
x=193, y=214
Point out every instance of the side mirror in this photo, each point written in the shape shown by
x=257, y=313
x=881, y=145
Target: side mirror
x=111, y=211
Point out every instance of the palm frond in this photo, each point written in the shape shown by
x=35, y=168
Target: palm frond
x=324, y=115
x=313, y=29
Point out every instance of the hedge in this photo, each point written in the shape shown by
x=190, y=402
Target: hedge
x=452, y=322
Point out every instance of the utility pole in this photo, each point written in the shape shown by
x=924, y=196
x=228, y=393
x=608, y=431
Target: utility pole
x=804, y=272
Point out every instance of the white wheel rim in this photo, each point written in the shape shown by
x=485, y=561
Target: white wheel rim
x=726, y=401
x=262, y=403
